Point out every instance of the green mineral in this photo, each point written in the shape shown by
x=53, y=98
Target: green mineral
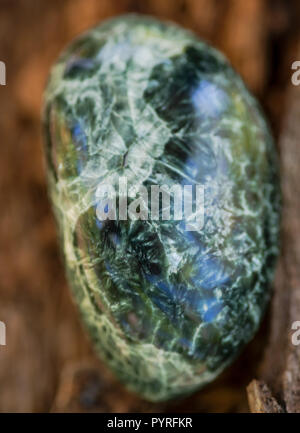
x=164, y=182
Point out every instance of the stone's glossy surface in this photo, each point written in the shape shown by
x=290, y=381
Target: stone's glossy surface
x=167, y=308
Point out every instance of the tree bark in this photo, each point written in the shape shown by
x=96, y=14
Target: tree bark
x=281, y=366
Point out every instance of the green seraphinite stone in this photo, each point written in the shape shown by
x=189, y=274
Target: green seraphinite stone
x=166, y=308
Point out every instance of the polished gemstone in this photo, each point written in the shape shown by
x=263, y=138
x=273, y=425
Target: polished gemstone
x=169, y=297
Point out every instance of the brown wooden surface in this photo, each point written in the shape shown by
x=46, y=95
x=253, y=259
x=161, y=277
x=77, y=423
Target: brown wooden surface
x=48, y=363
x=281, y=365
